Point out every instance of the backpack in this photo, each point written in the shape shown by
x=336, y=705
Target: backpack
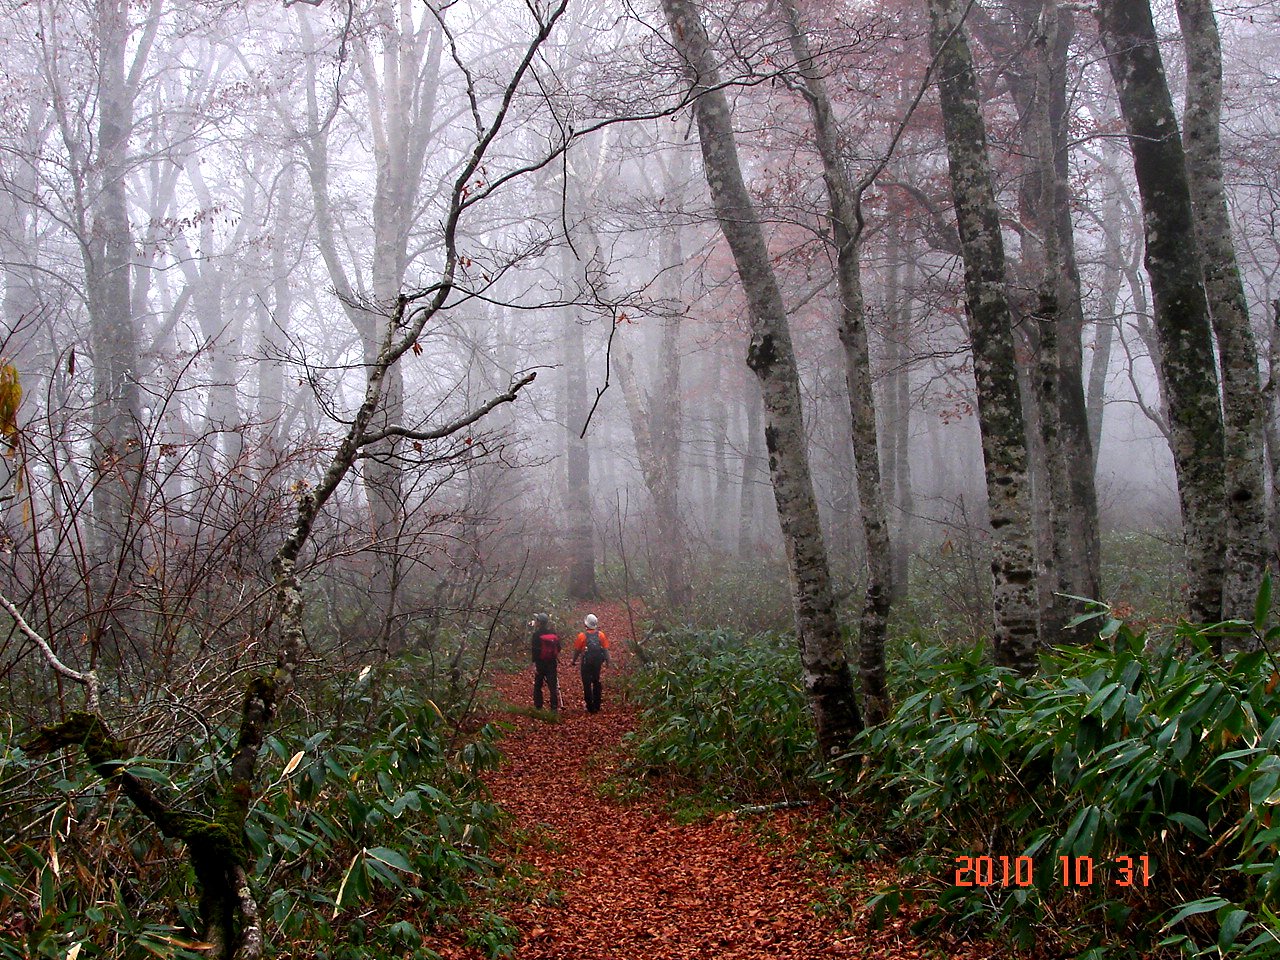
x=595, y=653
x=548, y=650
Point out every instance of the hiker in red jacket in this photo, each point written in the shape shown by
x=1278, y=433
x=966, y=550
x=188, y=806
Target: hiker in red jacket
x=593, y=647
x=545, y=648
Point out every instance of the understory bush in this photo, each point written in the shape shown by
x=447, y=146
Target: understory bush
x=1121, y=801
x=723, y=715
x=1146, y=768
x=371, y=829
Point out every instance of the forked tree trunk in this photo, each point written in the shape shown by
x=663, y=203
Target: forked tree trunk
x=1033, y=45
x=1173, y=262
x=846, y=230
x=827, y=680
x=1004, y=446
x=1242, y=402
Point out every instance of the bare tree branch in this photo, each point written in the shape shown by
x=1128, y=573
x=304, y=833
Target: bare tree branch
x=448, y=429
x=88, y=679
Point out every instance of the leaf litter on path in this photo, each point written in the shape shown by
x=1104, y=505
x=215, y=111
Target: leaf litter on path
x=634, y=884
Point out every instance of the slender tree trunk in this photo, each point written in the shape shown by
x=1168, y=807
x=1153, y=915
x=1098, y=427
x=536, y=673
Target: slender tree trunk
x=1079, y=454
x=897, y=409
x=1004, y=445
x=1177, y=287
x=1058, y=319
x=826, y=675
x=1104, y=330
x=665, y=405
x=1244, y=413
x=113, y=327
x=1273, y=428
x=720, y=441
x=748, y=526
x=581, y=532
x=901, y=426
x=1158, y=412
x=274, y=324
x=846, y=229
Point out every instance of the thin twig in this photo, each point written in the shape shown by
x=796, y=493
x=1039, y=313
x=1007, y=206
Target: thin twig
x=87, y=679
x=608, y=358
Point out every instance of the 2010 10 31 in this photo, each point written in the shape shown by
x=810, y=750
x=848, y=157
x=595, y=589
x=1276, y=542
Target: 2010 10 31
x=984, y=871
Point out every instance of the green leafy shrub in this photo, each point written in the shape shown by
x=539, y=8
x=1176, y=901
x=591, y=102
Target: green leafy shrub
x=374, y=827
x=724, y=714
x=1125, y=749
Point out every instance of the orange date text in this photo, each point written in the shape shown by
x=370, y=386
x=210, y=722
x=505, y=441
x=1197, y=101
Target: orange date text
x=1071, y=871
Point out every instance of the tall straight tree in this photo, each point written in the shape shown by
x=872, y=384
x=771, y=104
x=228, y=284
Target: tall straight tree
x=827, y=680
x=1190, y=378
x=1244, y=412
x=577, y=500
x=1004, y=446
x=107, y=249
x=846, y=229
x=1032, y=45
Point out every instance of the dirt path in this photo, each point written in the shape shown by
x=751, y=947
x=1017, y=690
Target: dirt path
x=635, y=884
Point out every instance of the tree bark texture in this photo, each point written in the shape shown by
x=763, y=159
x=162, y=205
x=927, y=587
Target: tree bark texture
x=852, y=327
x=1083, y=576
x=1004, y=446
x=827, y=680
x=897, y=410
x=1177, y=287
x=1033, y=47
x=1244, y=413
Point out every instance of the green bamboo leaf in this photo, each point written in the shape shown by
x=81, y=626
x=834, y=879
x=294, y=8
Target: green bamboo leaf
x=391, y=858
x=1194, y=908
x=1230, y=929
x=1262, y=608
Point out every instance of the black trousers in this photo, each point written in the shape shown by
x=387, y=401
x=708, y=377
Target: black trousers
x=544, y=671
x=591, y=688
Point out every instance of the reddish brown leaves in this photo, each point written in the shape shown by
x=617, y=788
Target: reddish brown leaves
x=635, y=884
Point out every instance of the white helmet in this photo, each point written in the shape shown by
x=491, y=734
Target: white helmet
x=591, y=621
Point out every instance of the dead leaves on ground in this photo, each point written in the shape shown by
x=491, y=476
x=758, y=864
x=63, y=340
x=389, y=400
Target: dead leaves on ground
x=637, y=886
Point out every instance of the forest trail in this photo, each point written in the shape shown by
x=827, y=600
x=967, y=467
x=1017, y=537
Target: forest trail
x=635, y=884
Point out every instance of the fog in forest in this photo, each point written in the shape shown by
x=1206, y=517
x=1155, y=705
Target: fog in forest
x=341, y=331
x=209, y=211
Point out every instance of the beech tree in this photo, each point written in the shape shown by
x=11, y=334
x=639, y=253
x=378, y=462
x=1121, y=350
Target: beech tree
x=1004, y=447
x=1244, y=413
x=1189, y=368
x=1032, y=43
x=827, y=681
x=846, y=228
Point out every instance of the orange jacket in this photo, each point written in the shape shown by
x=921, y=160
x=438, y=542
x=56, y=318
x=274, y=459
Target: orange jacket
x=580, y=644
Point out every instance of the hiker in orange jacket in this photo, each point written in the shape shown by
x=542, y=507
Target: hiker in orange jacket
x=592, y=647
